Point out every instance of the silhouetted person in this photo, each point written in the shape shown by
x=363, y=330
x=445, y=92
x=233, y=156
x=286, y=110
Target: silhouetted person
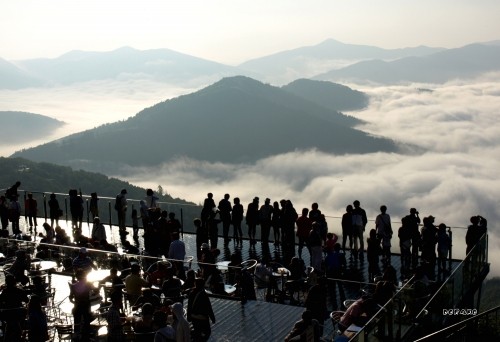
x=265, y=216
x=276, y=222
x=475, y=231
x=347, y=228
x=236, y=218
x=225, y=209
x=429, y=241
x=359, y=221
x=208, y=206
x=121, y=210
x=405, y=237
x=199, y=312
x=54, y=210
x=94, y=205
x=252, y=219
x=12, y=191
x=413, y=221
x=372, y=254
x=443, y=247
x=31, y=209
x=384, y=231
x=76, y=209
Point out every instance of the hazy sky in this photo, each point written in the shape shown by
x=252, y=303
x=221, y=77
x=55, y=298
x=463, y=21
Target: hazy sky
x=234, y=31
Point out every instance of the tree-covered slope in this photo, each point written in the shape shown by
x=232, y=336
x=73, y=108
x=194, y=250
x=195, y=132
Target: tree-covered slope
x=236, y=119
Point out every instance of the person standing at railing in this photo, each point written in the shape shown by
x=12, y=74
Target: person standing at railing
x=14, y=215
x=94, y=205
x=121, y=210
x=429, y=241
x=4, y=213
x=76, y=209
x=475, y=231
x=30, y=210
x=384, y=231
x=359, y=221
x=413, y=221
x=443, y=248
x=236, y=218
x=54, y=210
x=225, y=209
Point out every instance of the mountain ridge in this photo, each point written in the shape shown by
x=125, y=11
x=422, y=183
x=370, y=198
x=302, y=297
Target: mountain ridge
x=235, y=120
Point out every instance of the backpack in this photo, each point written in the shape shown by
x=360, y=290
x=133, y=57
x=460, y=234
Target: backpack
x=118, y=202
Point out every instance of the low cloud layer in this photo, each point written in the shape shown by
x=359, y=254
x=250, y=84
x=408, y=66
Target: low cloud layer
x=456, y=177
x=88, y=105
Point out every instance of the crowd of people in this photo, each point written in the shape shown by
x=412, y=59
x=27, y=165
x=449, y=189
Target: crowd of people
x=423, y=246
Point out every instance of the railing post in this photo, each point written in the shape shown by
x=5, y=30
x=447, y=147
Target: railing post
x=182, y=224
x=44, y=205
x=66, y=207
x=451, y=248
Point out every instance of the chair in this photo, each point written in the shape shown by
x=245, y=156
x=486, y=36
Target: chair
x=335, y=317
x=65, y=332
x=249, y=264
x=189, y=261
x=51, y=309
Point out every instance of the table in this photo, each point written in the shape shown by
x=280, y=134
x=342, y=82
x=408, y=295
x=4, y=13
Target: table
x=98, y=275
x=43, y=265
x=223, y=265
x=229, y=288
x=282, y=272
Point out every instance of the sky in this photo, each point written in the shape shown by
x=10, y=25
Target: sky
x=232, y=32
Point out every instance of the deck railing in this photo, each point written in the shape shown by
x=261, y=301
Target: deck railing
x=406, y=315
x=484, y=326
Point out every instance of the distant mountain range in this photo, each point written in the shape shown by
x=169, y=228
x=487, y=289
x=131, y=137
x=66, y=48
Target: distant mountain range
x=24, y=127
x=309, y=61
x=463, y=63
x=122, y=64
x=330, y=60
x=237, y=119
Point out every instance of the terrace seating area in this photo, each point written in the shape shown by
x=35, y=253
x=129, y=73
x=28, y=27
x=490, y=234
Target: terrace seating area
x=250, y=285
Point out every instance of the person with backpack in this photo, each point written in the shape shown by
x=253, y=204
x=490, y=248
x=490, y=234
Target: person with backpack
x=121, y=209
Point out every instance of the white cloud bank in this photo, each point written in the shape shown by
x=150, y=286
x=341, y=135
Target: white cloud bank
x=455, y=178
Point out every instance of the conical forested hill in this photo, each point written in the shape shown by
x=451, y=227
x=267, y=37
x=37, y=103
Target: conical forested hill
x=237, y=119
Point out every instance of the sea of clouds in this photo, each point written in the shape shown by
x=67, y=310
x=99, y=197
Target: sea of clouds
x=453, y=176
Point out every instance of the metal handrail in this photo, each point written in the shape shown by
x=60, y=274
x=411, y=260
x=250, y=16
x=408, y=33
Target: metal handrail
x=455, y=327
